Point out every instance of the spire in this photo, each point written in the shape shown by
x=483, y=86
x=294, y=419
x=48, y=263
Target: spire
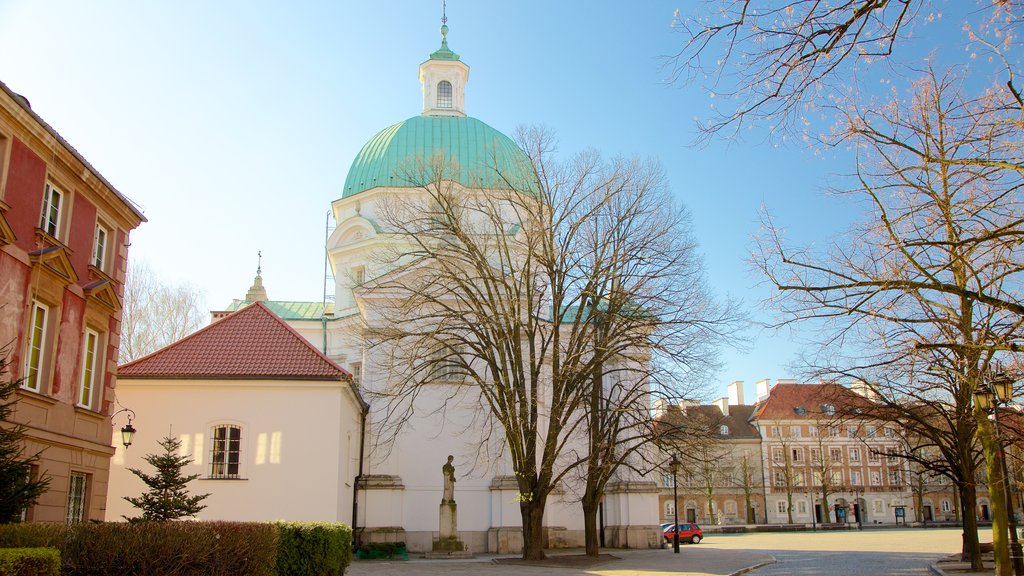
x=444, y=53
x=257, y=293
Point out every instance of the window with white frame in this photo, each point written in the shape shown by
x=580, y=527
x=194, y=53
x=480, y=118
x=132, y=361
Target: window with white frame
x=225, y=451
x=873, y=456
x=854, y=454
x=358, y=275
x=723, y=430
x=730, y=507
x=889, y=432
x=446, y=365
x=91, y=373
x=876, y=506
x=781, y=506
x=895, y=478
x=876, y=478
x=833, y=431
x=947, y=506
x=812, y=431
x=78, y=485
x=775, y=432
x=798, y=478
x=780, y=479
x=856, y=478
x=666, y=480
x=99, y=248
x=777, y=455
x=444, y=94
x=35, y=358
x=835, y=477
x=794, y=431
x=852, y=431
x=892, y=455
x=357, y=373
x=815, y=455
x=801, y=507
x=828, y=409
x=797, y=454
x=670, y=509
x=835, y=454
x=50, y=219
x=872, y=431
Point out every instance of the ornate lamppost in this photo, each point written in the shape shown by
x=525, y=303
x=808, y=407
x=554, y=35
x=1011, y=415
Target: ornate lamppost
x=999, y=392
x=674, y=466
x=127, y=431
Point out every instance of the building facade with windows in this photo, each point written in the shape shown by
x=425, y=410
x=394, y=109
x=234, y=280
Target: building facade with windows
x=273, y=427
x=825, y=463
x=63, y=247
x=398, y=481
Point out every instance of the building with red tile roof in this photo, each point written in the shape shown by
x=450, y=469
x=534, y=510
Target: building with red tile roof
x=258, y=409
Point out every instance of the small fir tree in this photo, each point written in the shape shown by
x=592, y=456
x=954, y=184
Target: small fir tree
x=168, y=497
x=18, y=490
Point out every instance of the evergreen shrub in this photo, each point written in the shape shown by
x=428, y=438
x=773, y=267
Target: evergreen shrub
x=29, y=562
x=320, y=548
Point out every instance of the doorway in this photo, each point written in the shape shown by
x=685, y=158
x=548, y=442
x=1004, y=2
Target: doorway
x=984, y=512
x=817, y=513
x=928, y=513
x=691, y=515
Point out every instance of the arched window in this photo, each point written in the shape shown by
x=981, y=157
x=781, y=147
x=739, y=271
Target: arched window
x=444, y=94
x=723, y=430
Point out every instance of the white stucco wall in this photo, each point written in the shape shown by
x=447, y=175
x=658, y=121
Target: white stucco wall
x=299, y=445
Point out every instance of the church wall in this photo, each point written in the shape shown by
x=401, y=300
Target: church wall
x=296, y=439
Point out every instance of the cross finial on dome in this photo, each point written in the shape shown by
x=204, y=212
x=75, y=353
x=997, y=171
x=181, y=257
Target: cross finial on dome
x=259, y=262
x=257, y=293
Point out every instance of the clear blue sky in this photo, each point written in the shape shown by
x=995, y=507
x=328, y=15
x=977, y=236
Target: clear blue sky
x=233, y=124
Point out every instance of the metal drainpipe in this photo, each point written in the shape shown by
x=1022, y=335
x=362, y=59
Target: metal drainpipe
x=357, y=536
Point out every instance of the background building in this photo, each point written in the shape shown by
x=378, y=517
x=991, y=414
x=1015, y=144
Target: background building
x=63, y=247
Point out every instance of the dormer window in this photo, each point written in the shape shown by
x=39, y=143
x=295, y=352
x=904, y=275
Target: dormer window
x=829, y=409
x=723, y=430
x=444, y=94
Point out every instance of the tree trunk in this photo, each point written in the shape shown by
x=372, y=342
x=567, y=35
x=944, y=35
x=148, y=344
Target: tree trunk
x=533, y=528
x=996, y=494
x=591, y=504
x=972, y=550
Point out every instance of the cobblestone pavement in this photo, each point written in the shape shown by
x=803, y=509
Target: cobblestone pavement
x=898, y=552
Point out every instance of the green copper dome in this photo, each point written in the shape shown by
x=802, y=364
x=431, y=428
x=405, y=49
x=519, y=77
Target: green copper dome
x=484, y=157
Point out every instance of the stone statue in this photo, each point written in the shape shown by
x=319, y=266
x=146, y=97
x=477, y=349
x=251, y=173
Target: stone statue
x=449, y=480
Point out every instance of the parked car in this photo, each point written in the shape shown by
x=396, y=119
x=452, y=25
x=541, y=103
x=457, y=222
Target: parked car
x=687, y=533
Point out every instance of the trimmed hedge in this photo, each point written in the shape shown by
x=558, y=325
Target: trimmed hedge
x=313, y=548
x=29, y=562
x=154, y=548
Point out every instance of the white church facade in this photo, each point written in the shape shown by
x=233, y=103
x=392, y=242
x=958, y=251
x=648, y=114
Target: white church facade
x=299, y=442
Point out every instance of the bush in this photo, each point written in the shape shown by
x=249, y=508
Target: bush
x=29, y=562
x=313, y=548
x=154, y=548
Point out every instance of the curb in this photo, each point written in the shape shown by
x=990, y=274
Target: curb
x=762, y=565
x=934, y=568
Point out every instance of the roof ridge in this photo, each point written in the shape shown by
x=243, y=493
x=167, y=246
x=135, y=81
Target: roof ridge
x=307, y=343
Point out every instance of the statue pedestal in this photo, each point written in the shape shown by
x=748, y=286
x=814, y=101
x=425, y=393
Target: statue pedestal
x=448, y=545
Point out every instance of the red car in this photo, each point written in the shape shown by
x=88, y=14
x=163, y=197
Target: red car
x=687, y=533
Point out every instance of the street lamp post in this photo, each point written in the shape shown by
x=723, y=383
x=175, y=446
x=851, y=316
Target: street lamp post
x=999, y=392
x=674, y=464
x=127, y=431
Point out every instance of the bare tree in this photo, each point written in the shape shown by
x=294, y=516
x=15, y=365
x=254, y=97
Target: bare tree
x=549, y=304
x=156, y=313
x=775, y=62
x=747, y=482
x=923, y=286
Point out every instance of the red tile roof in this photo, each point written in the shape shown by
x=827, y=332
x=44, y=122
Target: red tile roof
x=808, y=401
x=252, y=343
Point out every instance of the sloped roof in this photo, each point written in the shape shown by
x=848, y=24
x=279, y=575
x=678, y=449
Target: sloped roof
x=708, y=419
x=808, y=401
x=252, y=343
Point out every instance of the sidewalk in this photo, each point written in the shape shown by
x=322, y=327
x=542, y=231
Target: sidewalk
x=952, y=566
x=690, y=561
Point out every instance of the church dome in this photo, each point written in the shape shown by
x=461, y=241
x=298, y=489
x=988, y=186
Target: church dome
x=483, y=156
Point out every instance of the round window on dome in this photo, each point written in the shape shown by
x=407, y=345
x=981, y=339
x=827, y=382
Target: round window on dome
x=444, y=94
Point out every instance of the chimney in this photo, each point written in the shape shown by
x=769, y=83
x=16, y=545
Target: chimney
x=787, y=381
x=861, y=387
x=736, y=393
x=659, y=407
x=762, y=388
x=723, y=405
